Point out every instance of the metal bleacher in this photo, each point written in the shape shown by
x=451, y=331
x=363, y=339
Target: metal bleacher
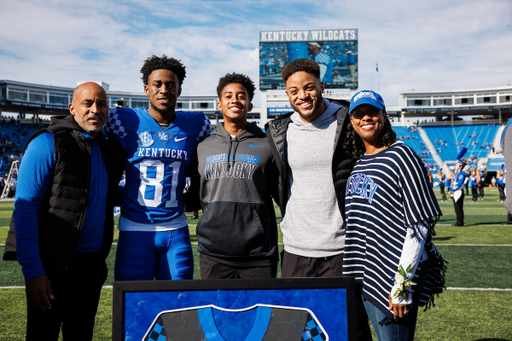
x=413, y=139
x=477, y=139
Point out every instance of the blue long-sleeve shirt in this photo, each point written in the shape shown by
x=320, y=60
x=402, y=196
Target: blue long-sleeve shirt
x=458, y=183
x=499, y=180
x=473, y=180
x=35, y=174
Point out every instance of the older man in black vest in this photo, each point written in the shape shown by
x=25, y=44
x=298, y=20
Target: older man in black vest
x=63, y=217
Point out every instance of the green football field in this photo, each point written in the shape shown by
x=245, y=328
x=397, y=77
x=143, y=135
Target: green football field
x=476, y=306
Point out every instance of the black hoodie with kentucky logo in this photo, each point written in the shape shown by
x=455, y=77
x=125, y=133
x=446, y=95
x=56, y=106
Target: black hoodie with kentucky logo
x=237, y=178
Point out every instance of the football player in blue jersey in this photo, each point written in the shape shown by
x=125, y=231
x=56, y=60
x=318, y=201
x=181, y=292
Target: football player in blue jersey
x=323, y=59
x=154, y=240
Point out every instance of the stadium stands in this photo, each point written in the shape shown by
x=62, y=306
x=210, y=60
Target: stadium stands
x=13, y=137
x=449, y=141
x=410, y=136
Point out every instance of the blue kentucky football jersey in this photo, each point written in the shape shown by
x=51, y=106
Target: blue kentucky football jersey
x=156, y=161
x=270, y=323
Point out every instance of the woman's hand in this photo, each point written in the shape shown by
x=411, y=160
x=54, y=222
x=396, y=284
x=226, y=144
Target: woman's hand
x=399, y=310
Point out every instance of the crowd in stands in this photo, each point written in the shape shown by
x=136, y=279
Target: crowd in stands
x=431, y=166
x=447, y=142
x=487, y=145
x=406, y=137
x=412, y=129
x=439, y=144
x=13, y=136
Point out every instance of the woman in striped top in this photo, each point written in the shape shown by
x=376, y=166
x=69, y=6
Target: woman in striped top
x=390, y=214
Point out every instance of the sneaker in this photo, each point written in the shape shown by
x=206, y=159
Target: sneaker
x=457, y=224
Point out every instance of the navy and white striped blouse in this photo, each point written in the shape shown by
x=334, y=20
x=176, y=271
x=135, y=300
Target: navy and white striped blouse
x=387, y=192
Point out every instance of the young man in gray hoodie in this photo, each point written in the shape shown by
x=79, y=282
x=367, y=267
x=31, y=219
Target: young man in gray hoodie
x=314, y=165
x=237, y=234
x=314, y=168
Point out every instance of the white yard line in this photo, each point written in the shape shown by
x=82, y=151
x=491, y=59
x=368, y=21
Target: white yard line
x=449, y=288
x=437, y=244
x=479, y=289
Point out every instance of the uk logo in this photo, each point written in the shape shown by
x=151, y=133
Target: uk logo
x=252, y=159
x=162, y=136
x=145, y=139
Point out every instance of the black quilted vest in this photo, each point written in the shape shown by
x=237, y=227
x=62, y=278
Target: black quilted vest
x=62, y=212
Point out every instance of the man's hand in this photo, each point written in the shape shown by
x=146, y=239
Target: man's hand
x=399, y=310
x=39, y=292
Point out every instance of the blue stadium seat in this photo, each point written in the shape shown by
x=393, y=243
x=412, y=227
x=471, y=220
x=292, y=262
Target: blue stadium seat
x=477, y=139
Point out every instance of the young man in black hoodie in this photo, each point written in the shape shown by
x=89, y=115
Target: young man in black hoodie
x=237, y=234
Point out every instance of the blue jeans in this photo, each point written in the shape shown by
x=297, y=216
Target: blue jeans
x=404, y=330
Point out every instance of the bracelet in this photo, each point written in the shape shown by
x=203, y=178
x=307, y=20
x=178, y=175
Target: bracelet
x=403, y=282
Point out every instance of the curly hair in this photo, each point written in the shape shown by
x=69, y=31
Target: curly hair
x=236, y=78
x=162, y=63
x=354, y=144
x=301, y=64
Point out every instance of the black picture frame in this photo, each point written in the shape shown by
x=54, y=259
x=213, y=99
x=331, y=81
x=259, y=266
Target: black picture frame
x=136, y=305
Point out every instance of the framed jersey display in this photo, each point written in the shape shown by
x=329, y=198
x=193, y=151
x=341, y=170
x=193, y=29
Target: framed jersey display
x=291, y=309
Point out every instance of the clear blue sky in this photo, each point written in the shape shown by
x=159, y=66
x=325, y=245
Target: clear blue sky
x=422, y=45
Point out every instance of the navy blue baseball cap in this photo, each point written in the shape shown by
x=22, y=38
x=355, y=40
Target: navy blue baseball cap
x=367, y=97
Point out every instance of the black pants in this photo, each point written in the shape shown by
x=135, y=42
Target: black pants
x=459, y=211
x=211, y=269
x=474, y=192
x=441, y=186
x=501, y=189
x=298, y=266
x=77, y=293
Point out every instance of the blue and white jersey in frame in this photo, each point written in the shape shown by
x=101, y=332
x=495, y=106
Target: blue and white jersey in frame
x=266, y=323
x=156, y=162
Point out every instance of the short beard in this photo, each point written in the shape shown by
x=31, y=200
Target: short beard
x=162, y=112
x=93, y=130
x=318, y=104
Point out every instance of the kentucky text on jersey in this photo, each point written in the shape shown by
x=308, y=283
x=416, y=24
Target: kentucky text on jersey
x=163, y=152
x=362, y=185
x=243, y=166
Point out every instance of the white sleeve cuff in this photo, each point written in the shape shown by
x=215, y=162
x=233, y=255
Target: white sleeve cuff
x=399, y=299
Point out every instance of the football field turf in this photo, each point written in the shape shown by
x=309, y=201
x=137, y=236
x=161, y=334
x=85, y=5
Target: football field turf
x=476, y=306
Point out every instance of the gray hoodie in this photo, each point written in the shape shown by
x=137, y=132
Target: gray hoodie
x=238, y=226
